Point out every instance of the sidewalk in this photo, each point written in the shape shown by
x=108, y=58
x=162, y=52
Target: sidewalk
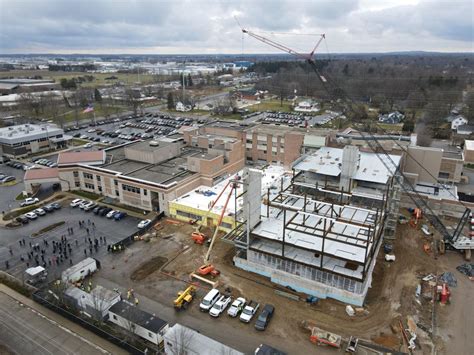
x=87, y=336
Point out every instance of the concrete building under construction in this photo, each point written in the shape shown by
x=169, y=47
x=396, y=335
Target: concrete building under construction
x=321, y=231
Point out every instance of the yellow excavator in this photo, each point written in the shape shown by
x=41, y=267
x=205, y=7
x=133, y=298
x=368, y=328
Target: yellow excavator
x=184, y=298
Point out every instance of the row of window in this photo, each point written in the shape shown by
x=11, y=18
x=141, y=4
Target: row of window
x=188, y=215
x=131, y=188
x=125, y=187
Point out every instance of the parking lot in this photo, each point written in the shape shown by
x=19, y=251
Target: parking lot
x=78, y=246
x=297, y=119
x=129, y=128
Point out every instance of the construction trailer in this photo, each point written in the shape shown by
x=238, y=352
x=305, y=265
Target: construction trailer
x=132, y=319
x=79, y=271
x=182, y=340
x=317, y=238
x=93, y=304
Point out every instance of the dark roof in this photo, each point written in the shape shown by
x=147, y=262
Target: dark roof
x=466, y=127
x=264, y=349
x=137, y=316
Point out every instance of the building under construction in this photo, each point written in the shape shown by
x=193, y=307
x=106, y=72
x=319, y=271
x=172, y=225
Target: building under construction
x=321, y=231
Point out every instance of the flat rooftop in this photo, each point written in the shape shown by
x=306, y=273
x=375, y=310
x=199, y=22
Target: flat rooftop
x=449, y=150
x=137, y=316
x=229, y=125
x=26, y=132
x=202, y=197
x=146, y=147
x=328, y=161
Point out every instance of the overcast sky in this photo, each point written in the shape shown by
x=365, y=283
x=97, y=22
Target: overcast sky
x=207, y=26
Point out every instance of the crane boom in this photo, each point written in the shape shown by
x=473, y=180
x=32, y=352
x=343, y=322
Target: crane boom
x=219, y=221
x=306, y=56
x=418, y=200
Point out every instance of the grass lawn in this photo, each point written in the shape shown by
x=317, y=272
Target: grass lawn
x=391, y=127
x=48, y=228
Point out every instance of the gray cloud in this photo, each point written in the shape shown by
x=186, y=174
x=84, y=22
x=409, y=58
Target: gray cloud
x=208, y=26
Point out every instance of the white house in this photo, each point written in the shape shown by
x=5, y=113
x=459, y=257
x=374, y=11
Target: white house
x=458, y=121
x=145, y=325
x=182, y=340
x=306, y=106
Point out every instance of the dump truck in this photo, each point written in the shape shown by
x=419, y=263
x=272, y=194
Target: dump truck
x=184, y=298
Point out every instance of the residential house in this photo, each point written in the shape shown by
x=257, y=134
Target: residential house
x=458, y=121
x=465, y=129
x=392, y=118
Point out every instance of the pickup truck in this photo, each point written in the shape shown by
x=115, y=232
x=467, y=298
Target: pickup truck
x=220, y=306
x=249, y=311
x=236, y=307
x=29, y=201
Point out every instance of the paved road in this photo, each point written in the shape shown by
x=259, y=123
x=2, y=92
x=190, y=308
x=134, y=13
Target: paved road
x=26, y=331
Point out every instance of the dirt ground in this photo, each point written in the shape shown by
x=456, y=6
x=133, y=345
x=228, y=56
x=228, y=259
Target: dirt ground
x=160, y=267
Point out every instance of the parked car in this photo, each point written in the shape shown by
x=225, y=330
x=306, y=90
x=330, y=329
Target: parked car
x=76, y=202
x=112, y=213
x=105, y=211
x=143, y=224
x=40, y=212
x=249, y=311
x=85, y=203
x=236, y=307
x=119, y=216
x=220, y=306
x=22, y=219
x=29, y=201
x=7, y=179
x=48, y=208
x=97, y=209
x=264, y=317
x=31, y=215
x=56, y=205
x=89, y=207
x=209, y=300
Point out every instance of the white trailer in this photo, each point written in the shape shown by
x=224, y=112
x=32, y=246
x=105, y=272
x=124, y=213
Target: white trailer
x=79, y=271
x=35, y=275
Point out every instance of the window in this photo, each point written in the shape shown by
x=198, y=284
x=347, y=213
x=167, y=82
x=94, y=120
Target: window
x=145, y=192
x=99, y=188
x=97, y=177
x=117, y=193
x=77, y=183
x=150, y=335
x=116, y=182
x=89, y=186
x=87, y=176
x=443, y=175
x=76, y=174
x=130, y=188
x=188, y=215
x=114, y=317
x=226, y=225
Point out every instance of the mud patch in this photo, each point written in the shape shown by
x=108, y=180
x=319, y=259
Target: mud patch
x=148, y=268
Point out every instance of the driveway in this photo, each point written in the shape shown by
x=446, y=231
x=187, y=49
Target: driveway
x=106, y=231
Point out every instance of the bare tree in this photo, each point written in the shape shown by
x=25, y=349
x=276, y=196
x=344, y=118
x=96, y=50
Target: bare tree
x=180, y=341
x=132, y=99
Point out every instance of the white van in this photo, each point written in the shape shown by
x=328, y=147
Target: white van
x=209, y=300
